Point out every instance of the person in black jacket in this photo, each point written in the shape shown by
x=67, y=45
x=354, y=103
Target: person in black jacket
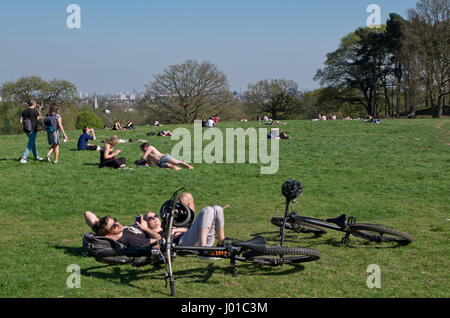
x=29, y=119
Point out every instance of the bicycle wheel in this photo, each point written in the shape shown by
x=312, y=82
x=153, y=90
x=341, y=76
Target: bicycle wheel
x=291, y=255
x=299, y=227
x=379, y=234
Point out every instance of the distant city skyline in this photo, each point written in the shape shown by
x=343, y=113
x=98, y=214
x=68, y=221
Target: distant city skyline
x=122, y=45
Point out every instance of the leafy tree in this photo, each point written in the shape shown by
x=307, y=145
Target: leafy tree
x=24, y=90
x=90, y=119
x=359, y=63
x=18, y=94
x=35, y=88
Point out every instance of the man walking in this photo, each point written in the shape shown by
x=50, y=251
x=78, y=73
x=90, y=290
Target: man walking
x=29, y=119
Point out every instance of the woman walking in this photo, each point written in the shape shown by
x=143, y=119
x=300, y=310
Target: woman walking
x=54, y=127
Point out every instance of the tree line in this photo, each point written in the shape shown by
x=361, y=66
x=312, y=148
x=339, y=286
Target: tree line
x=388, y=71
x=397, y=67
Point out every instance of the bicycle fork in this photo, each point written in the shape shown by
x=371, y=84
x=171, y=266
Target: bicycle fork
x=346, y=239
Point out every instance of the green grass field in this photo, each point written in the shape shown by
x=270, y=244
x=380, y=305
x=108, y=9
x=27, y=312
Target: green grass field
x=396, y=174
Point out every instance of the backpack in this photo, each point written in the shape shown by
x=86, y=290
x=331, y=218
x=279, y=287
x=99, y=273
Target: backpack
x=51, y=123
x=27, y=125
x=93, y=243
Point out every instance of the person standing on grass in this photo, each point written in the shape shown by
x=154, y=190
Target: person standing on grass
x=54, y=127
x=29, y=119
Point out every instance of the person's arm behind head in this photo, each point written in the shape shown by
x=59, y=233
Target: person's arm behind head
x=90, y=218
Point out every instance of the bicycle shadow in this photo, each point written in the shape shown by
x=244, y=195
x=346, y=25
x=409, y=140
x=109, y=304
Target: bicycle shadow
x=288, y=238
x=123, y=275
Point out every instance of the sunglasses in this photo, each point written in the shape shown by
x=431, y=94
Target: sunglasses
x=152, y=218
x=114, y=224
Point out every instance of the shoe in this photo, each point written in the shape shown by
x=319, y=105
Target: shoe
x=55, y=162
x=23, y=160
x=210, y=258
x=39, y=159
x=126, y=168
x=48, y=158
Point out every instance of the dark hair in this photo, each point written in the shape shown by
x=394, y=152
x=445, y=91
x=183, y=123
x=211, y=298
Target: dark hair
x=144, y=145
x=85, y=128
x=53, y=110
x=99, y=227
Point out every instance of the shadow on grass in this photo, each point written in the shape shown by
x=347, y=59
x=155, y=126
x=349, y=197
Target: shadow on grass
x=17, y=159
x=126, y=274
x=70, y=250
x=90, y=164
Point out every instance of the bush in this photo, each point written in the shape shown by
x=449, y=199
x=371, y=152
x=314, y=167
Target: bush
x=89, y=119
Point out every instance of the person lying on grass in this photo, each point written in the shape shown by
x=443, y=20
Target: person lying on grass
x=166, y=161
x=129, y=236
x=208, y=223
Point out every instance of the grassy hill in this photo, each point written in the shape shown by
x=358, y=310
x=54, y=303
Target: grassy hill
x=396, y=174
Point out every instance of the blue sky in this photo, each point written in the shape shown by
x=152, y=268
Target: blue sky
x=122, y=44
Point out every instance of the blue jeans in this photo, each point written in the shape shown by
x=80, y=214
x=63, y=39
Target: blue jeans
x=31, y=145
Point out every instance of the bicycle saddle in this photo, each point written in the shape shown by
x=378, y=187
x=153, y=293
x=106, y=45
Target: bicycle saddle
x=340, y=221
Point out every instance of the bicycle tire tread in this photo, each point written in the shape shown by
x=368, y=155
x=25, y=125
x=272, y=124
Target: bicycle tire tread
x=358, y=228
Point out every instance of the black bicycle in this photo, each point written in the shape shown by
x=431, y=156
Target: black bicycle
x=302, y=224
x=176, y=214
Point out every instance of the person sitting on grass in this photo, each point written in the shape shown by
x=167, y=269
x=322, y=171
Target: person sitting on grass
x=84, y=139
x=166, y=161
x=108, y=155
x=117, y=126
x=129, y=125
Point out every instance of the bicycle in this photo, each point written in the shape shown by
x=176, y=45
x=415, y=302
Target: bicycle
x=254, y=251
x=303, y=224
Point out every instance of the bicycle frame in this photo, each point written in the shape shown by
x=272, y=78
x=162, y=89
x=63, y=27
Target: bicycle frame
x=338, y=224
x=322, y=223
x=226, y=251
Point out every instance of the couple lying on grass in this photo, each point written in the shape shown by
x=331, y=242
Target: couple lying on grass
x=202, y=232
x=151, y=155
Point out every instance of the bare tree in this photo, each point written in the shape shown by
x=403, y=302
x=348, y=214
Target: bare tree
x=272, y=96
x=428, y=33
x=186, y=90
